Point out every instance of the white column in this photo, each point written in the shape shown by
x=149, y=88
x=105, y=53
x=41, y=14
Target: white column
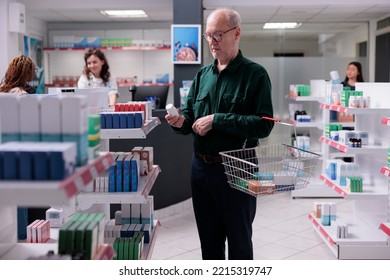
x=371, y=50
x=8, y=40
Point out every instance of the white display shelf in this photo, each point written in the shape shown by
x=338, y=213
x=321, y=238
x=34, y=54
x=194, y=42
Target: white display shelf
x=87, y=199
x=358, y=233
x=370, y=207
x=385, y=171
x=369, y=192
x=307, y=98
x=366, y=149
x=129, y=48
x=23, y=251
x=131, y=133
x=360, y=111
x=43, y=193
x=385, y=227
x=386, y=121
x=318, y=125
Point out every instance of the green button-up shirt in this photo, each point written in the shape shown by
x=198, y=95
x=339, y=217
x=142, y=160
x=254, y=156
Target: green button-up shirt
x=238, y=97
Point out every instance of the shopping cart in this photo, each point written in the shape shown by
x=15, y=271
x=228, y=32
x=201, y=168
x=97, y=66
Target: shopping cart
x=269, y=169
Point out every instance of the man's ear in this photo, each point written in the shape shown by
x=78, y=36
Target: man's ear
x=237, y=32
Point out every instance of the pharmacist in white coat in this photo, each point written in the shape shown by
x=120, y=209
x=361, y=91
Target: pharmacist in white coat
x=97, y=74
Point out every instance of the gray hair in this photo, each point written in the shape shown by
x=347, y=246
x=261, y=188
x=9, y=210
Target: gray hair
x=232, y=16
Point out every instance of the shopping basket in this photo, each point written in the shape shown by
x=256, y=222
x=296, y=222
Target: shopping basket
x=269, y=169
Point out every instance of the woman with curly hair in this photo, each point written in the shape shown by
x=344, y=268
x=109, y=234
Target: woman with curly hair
x=97, y=74
x=20, y=71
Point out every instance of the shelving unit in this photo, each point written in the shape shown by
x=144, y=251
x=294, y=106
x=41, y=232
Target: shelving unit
x=86, y=200
x=385, y=170
x=370, y=215
x=315, y=128
x=26, y=194
x=131, y=133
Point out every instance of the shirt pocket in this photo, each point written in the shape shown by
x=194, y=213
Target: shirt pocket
x=202, y=106
x=232, y=103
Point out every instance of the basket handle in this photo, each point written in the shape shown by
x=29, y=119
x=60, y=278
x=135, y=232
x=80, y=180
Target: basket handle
x=277, y=120
x=284, y=123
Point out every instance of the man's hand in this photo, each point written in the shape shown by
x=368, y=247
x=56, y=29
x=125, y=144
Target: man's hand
x=203, y=125
x=175, y=121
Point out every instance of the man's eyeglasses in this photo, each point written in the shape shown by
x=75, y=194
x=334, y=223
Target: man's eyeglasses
x=216, y=36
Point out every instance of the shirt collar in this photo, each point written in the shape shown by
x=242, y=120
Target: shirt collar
x=233, y=65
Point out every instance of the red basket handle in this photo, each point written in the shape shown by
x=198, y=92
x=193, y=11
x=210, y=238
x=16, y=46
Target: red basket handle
x=277, y=120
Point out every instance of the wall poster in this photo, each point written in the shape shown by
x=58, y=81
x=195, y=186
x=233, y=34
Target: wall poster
x=186, y=43
x=33, y=47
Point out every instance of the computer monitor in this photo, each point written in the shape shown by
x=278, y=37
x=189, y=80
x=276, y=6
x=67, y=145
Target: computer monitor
x=60, y=90
x=144, y=93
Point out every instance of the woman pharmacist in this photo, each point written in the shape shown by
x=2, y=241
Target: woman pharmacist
x=97, y=74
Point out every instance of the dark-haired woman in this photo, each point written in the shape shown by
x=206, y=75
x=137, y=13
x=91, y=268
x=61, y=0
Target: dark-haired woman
x=354, y=75
x=97, y=74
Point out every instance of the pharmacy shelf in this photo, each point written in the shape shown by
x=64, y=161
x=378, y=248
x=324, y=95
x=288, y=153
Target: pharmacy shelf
x=386, y=121
x=148, y=247
x=144, y=84
x=363, y=242
x=358, y=232
x=307, y=98
x=23, y=251
x=367, y=149
x=315, y=188
x=87, y=199
x=385, y=171
x=119, y=84
x=348, y=110
x=318, y=125
x=385, y=227
x=370, y=207
x=369, y=192
x=42, y=193
x=131, y=133
x=129, y=48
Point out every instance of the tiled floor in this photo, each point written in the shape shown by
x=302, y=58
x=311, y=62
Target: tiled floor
x=282, y=230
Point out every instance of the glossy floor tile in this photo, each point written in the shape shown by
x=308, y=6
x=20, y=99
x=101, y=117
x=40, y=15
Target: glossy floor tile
x=281, y=230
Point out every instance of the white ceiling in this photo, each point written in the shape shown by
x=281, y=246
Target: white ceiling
x=316, y=16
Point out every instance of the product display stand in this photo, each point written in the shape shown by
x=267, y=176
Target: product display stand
x=100, y=201
x=367, y=223
x=40, y=194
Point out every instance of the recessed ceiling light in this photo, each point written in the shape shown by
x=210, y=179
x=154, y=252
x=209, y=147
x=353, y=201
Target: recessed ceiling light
x=281, y=25
x=124, y=13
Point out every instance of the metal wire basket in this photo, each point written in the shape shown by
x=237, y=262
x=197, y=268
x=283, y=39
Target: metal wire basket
x=269, y=169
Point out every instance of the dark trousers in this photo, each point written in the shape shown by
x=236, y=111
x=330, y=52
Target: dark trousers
x=222, y=213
